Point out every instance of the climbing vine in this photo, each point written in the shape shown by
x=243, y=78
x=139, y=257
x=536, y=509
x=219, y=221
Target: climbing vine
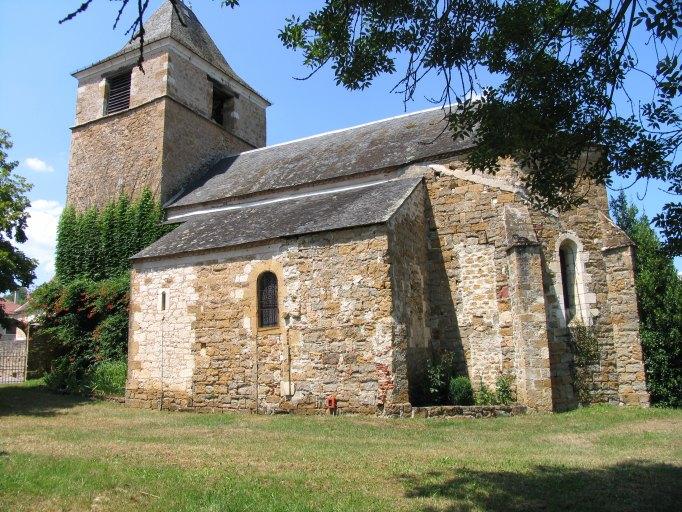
x=97, y=244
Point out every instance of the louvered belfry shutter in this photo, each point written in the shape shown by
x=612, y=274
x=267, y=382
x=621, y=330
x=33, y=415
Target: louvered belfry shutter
x=119, y=93
x=267, y=300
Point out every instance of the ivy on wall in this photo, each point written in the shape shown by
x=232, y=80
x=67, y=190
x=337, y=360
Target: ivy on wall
x=97, y=244
x=84, y=309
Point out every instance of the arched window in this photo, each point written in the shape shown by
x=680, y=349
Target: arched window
x=268, y=311
x=568, y=252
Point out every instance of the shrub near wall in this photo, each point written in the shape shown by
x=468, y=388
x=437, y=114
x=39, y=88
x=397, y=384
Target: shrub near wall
x=84, y=308
x=86, y=322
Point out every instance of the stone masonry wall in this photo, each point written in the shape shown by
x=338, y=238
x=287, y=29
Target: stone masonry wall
x=335, y=335
x=162, y=141
x=191, y=142
x=624, y=321
x=191, y=87
x=116, y=154
x=409, y=276
x=470, y=289
x=160, y=342
x=144, y=87
x=359, y=307
x=529, y=322
x=582, y=225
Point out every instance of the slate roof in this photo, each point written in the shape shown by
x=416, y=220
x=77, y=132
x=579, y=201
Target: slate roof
x=8, y=307
x=164, y=22
x=368, y=205
x=354, y=151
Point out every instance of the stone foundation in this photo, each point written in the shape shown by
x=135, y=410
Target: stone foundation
x=450, y=411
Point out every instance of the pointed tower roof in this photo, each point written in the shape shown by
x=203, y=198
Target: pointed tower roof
x=182, y=26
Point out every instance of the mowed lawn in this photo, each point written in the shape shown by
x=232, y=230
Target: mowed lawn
x=65, y=453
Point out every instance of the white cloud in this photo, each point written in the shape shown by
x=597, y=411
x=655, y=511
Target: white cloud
x=38, y=165
x=41, y=232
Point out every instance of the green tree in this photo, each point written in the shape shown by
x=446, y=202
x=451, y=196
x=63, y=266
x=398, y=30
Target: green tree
x=107, y=229
x=89, y=246
x=659, y=297
x=16, y=269
x=536, y=80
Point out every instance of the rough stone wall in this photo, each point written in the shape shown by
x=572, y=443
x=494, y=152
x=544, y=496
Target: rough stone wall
x=624, y=321
x=468, y=289
x=336, y=332
x=191, y=86
x=190, y=143
x=117, y=154
x=358, y=308
x=160, y=342
x=531, y=348
x=471, y=291
x=409, y=277
x=250, y=122
x=583, y=225
x=162, y=141
x=144, y=87
x=477, y=311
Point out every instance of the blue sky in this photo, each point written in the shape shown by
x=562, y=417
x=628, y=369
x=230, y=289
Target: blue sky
x=37, y=93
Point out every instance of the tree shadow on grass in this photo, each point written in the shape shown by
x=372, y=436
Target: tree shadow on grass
x=631, y=486
x=22, y=400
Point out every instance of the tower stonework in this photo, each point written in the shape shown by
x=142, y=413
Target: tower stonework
x=161, y=127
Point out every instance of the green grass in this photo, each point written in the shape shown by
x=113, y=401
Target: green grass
x=68, y=453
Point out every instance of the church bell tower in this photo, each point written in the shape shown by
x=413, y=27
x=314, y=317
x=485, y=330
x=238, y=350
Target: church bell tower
x=160, y=128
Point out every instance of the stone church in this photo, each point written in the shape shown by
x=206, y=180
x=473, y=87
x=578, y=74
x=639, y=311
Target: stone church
x=339, y=264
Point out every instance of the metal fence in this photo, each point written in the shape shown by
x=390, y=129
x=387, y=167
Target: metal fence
x=13, y=359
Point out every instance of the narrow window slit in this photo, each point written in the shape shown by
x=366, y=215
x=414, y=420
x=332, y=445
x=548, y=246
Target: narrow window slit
x=268, y=310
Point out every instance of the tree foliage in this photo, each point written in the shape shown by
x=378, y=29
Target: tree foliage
x=16, y=269
x=659, y=297
x=536, y=80
x=559, y=64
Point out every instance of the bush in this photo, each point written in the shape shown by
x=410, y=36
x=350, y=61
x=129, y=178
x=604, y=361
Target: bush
x=503, y=394
x=84, y=309
x=108, y=378
x=85, y=322
x=659, y=298
x=485, y=396
x=441, y=369
x=664, y=368
x=503, y=390
x=461, y=392
x=65, y=377
x=97, y=244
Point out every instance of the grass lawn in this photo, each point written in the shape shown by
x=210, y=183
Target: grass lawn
x=64, y=453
